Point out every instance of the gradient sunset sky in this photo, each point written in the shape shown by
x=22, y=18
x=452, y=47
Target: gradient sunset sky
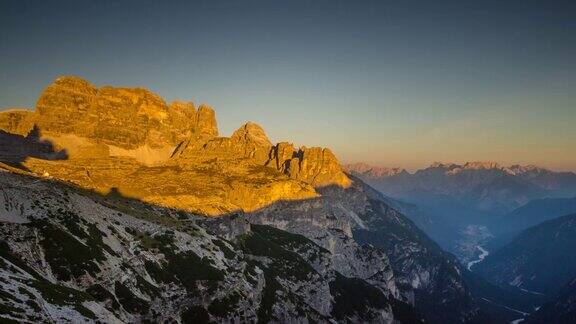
x=393, y=83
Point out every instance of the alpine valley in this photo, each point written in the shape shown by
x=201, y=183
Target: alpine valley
x=513, y=228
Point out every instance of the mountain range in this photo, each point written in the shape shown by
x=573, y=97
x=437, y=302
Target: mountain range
x=116, y=206
x=535, y=212
x=119, y=207
x=465, y=205
x=516, y=222
x=483, y=187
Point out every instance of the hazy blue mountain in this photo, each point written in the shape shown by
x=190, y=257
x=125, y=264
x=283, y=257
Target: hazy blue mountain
x=540, y=259
x=483, y=188
x=502, y=194
x=535, y=212
x=441, y=230
x=461, y=206
x=562, y=184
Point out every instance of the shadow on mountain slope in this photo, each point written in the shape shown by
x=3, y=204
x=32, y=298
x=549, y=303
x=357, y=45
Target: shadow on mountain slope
x=415, y=259
x=15, y=149
x=77, y=222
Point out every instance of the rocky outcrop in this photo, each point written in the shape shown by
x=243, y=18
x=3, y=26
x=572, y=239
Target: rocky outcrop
x=251, y=133
x=249, y=142
x=204, y=122
x=253, y=142
x=281, y=155
x=319, y=167
x=64, y=104
x=316, y=166
x=124, y=117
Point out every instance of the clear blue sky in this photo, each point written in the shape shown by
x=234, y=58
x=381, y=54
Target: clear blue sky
x=396, y=83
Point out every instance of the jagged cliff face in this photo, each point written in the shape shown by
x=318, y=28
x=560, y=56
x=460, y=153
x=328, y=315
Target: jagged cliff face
x=129, y=140
x=315, y=165
x=73, y=106
x=125, y=117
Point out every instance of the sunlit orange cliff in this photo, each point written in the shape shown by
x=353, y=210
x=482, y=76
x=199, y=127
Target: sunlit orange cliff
x=131, y=141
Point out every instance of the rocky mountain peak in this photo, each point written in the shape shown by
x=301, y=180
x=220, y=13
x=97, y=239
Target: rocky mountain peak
x=205, y=122
x=479, y=165
x=526, y=169
x=252, y=132
x=73, y=84
x=316, y=166
x=454, y=168
x=127, y=118
x=442, y=165
x=124, y=117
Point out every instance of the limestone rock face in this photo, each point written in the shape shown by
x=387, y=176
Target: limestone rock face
x=64, y=103
x=281, y=156
x=247, y=142
x=316, y=166
x=205, y=122
x=251, y=133
x=200, y=123
x=319, y=167
x=253, y=142
x=124, y=117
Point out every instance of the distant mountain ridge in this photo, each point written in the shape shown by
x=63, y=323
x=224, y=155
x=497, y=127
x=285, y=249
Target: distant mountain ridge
x=483, y=186
x=534, y=213
x=465, y=205
x=373, y=171
x=528, y=171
